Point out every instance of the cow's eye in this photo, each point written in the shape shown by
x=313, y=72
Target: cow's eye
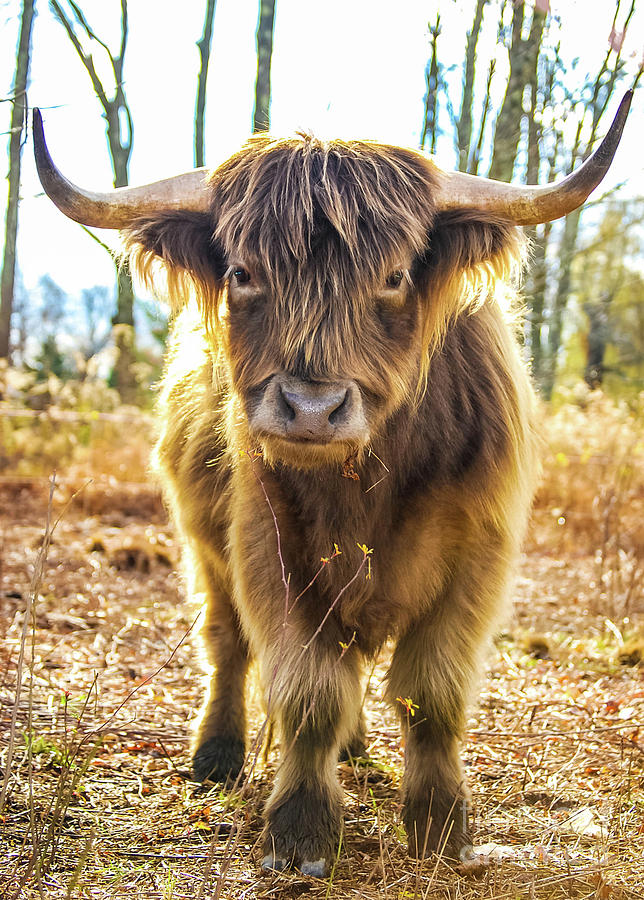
x=240, y=274
x=394, y=280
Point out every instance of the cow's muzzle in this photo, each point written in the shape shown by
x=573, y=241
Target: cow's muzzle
x=317, y=412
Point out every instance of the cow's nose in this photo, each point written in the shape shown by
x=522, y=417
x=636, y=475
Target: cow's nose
x=313, y=411
x=320, y=412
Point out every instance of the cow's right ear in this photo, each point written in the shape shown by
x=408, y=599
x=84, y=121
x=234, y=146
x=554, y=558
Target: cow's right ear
x=182, y=246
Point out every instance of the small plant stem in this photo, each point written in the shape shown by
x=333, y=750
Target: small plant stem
x=36, y=583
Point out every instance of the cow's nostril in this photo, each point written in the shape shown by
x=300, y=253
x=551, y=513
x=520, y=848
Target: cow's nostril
x=286, y=410
x=338, y=413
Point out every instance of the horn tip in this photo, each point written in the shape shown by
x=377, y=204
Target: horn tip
x=37, y=126
x=40, y=145
x=621, y=115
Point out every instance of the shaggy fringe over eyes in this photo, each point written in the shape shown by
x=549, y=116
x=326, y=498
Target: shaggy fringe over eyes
x=175, y=257
x=468, y=256
x=322, y=218
x=328, y=220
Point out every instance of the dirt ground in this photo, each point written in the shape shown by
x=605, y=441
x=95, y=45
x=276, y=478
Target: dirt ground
x=98, y=803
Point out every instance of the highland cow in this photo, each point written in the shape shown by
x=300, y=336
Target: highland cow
x=347, y=447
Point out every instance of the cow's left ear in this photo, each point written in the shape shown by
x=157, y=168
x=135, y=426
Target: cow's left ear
x=467, y=252
x=182, y=243
x=465, y=239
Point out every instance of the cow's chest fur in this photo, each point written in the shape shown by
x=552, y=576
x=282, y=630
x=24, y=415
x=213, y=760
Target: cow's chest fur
x=367, y=529
x=339, y=519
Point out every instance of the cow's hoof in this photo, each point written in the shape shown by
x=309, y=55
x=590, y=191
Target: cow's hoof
x=436, y=827
x=316, y=869
x=304, y=829
x=218, y=758
x=272, y=863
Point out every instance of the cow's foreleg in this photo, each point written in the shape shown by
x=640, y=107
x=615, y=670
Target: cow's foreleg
x=219, y=742
x=429, y=681
x=317, y=701
x=427, y=686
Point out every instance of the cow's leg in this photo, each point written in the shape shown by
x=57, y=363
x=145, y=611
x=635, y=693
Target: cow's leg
x=356, y=746
x=317, y=702
x=219, y=741
x=429, y=681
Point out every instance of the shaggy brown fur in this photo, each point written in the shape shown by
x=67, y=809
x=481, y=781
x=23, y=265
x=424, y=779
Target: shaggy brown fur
x=326, y=264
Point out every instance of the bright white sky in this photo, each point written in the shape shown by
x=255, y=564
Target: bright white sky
x=350, y=68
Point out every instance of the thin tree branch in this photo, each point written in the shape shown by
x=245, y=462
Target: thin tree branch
x=124, y=30
x=86, y=59
x=204, y=46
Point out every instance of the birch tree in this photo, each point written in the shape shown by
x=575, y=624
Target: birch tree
x=262, y=112
x=204, y=45
x=120, y=133
x=464, y=124
x=433, y=84
x=16, y=140
x=523, y=57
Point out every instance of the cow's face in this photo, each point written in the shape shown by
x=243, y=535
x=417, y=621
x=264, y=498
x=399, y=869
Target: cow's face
x=321, y=316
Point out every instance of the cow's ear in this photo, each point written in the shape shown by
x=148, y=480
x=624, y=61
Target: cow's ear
x=467, y=255
x=181, y=246
x=464, y=239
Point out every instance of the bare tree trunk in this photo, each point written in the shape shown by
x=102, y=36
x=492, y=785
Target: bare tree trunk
x=15, y=147
x=537, y=277
x=262, y=113
x=204, y=46
x=565, y=253
x=430, y=122
x=598, y=335
x=464, y=125
x=120, y=133
x=507, y=133
x=536, y=297
x=524, y=55
x=473, y=166
x=20, y=321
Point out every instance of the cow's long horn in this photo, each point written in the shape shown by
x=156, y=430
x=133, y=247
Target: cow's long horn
x=120, y=207
x=534, y=204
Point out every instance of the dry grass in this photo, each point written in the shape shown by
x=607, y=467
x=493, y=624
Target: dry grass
x=98, y=804
x=591, y=500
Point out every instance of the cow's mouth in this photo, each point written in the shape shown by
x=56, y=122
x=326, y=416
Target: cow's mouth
x=307, y=455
